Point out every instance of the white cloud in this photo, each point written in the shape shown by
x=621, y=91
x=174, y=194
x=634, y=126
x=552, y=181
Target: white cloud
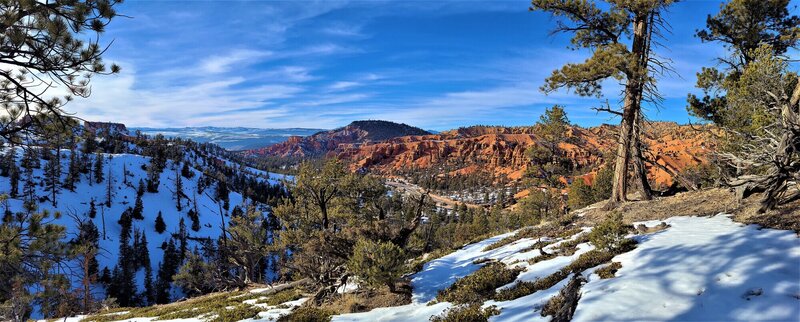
x=223, y=63
x=342, y=85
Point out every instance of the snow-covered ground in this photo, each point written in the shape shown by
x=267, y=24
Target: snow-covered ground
x=77, y=203
x=699, y=269
x=708, y=268
x=702, y=268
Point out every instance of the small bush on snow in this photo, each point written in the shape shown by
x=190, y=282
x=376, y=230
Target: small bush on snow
x=609, y=235
x=307, y=314
x=466, y=313
x=609, y=271
x=479, y=285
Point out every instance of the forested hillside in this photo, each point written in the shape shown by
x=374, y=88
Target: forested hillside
x=127, y=212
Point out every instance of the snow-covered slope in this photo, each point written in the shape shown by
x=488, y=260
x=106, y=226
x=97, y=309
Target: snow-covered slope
x=698, y=269
x=77, y=203
x=702, y=268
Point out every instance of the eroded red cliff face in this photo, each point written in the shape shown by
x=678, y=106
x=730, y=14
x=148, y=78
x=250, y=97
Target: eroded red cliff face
x=498, y=150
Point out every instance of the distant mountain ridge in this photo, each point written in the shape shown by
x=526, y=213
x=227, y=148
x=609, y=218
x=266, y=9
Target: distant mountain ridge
x=231, y=138
x=324, y=142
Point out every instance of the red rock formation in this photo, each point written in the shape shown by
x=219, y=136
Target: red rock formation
x=499, y=150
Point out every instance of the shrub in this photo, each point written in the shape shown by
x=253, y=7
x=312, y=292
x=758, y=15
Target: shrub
x=587, y=260
x=377, y=263
x=479, y=285
x=570, y=246
x=603, y=183
x=466, y=313
x=609, y=234
x=553, y=305
x=307, y=314
x=281, y=297
x=609, y=271
x=483, y=260
x=237, y=313
x=580, y=194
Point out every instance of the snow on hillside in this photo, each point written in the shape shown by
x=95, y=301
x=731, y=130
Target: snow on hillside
x=78, y=203
x=702, y=268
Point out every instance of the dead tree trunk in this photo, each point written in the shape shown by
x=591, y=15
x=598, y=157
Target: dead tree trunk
x=570, y=295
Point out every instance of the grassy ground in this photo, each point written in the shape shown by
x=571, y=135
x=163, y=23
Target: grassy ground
x=707, y=202
x=223, y=306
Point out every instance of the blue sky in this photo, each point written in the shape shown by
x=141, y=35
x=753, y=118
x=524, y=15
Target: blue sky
x=322, y=64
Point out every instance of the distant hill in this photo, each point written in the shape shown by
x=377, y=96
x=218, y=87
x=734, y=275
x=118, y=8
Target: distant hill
x=325, y=142
x=231, y=138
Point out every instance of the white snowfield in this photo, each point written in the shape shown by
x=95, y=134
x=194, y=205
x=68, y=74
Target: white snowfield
x=699, y=269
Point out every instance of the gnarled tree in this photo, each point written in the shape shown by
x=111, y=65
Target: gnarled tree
x=768, y=158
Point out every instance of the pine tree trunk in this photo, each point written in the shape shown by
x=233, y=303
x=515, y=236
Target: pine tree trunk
x=630, y=112
x=639, y=170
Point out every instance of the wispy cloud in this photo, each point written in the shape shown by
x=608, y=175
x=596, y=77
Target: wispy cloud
x=223, y=63
x=323, y=64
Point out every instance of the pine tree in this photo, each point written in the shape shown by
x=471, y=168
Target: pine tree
x=125, y=173
x=548, y=161
x=85, y=248
x=183, y=237
x=186, y=172
x=741, y=26
x=144, y=255
x=580, y=194
x=38, y=246
x=52, y=177
x=149, y=286
x=13, y=173
x=195, y=277
x=73, y=171
x=223, y=194
x=195, y=220
x=124, y=272
x=161, y=226
x=105, y=277
x=153, y=176
x=30, y=161
x=8, y=160
x=178, y=190
x=166, y=270
x=98, y=167
x=138, y=208
x=92, y=209
x=109, y=188
x=619, y=36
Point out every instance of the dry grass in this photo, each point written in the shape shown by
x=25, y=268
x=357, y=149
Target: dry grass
x=609, y=271
x=706, y=202
x=367, y=300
